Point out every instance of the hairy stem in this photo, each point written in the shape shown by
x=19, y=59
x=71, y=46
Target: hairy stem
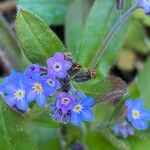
x=109, y=37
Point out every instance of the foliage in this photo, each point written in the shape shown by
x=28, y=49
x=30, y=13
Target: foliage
x=86, y=27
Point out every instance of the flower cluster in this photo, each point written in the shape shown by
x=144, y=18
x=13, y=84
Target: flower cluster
x=39, y=83
x=123, y=129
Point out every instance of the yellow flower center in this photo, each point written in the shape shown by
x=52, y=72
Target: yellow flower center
x=38, y=87
x=135, y=114
x=77, y=108
x=20, y=94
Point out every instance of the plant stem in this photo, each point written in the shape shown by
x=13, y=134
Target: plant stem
x=109, y=37
x=63, y=137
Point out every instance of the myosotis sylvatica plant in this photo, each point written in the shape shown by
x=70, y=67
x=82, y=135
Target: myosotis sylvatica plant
x=61, y=81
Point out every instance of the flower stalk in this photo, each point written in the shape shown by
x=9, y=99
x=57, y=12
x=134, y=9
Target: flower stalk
x=111, y=34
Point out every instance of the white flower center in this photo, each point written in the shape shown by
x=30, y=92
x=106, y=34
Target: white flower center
x=20, y=94
x=135, y=114
x=38, y=88
x=77, y=108
x=65, y=101
x=57, y=66
x=50, y=82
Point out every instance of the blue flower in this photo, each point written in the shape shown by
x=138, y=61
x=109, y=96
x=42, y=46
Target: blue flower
x=15, y=92
x=12, y=77
x=145, y=4
x=82, y=112
x=136, y=114
x=35, y=68
x=65, y=102
x=58, y=65
x=52, y=81
x=123, y=129
x=32, y=69
x=57, y=114
x=38, y=89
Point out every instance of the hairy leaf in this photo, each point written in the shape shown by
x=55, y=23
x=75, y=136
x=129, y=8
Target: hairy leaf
x=36, y=39
x=14, y=129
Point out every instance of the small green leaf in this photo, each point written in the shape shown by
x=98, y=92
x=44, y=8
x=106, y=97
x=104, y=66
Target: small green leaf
x=36, y=39
x=14, y=129
x=102, y=18
x=75, y=20
x=41, y=117
x=51, y=11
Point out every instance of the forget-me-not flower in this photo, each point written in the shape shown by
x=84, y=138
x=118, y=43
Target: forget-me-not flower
x=58, y=65
x=82, y=111
x=65, y=102
x=16, y=93
x=39, y=90
x=136, y=114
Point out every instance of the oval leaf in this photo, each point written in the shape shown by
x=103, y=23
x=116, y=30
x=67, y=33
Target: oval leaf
x=36, y=39
x=101, y=19
x=14, y=130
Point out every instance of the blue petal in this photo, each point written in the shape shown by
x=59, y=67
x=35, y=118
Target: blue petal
x=138, y=104
x=62, y=74
x=86, y=115
x=50, y=91
x=59, y=56
x=140, y=124
x=75, y=119
x=129, y=103
x=67, y=65
x=41, y=99
x=87, y=102
x=145, y=115
x=10, y=88
x=31, y=95
x=36, y=76
x=11, y=100
x=129, y=116
x=22, y=105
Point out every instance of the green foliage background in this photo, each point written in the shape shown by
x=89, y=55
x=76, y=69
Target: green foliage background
x=86, y=27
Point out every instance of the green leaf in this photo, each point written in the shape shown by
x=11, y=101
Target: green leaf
x=51, y=11
x=143, y=83
x=106, y=140
x=75, y=20
x=36, y=39
x=101, y=19
x=41, y=117
x=8, y=45
x=137, y=38
x=14, y=129
x=137, y=143
x=46, y=137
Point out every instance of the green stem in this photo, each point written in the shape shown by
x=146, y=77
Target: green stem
x=63, y=137
x=109, y=37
